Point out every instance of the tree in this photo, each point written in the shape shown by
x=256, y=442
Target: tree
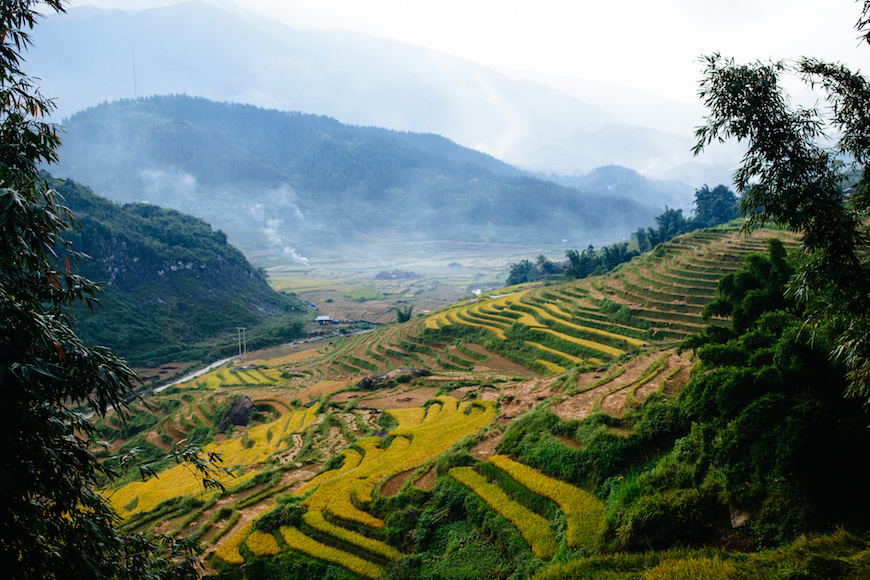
x=403, y=314
x=544, y=266
x=714, y=207
x=53, y=522
x=521, y=272
x=790, y=178
x=643, y=240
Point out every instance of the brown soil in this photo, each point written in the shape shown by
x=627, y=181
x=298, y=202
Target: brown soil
x=246, y=515
x=614, y=393
x=153, y=437
x=403, y=400
x=462, y=392
x=283, y=354
x=169, y=429
x=281, y=405
x=291, y=453
x=499, y=363
x=163, y=371
x=426, y=481
x=347, y=396
x=672, y=386
x=392, y=486
x=302, y=474
x=321, y=389
x=361, y=354
x=205, y=420
x=489, y=394
x=333, y=442
x=486, y=448
x=523, y=396
x=569, y=441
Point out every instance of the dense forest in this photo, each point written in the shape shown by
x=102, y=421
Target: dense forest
x=309, y=173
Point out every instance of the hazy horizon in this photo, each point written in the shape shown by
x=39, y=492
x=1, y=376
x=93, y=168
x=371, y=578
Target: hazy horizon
x=650, y=47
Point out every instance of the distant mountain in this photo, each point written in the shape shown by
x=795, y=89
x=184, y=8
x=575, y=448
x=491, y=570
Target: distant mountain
x=169, y=280
x=89, y=56
x=265, y=176
x=623, y=182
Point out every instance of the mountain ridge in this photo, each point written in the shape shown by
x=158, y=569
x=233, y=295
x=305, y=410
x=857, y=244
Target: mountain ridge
x=349, y=76
x=263, y=174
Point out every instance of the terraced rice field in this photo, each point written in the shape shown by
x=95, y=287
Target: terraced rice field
x=654, y=300
x=603, y=345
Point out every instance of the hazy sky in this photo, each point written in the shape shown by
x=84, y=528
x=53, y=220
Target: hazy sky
x=649, y=45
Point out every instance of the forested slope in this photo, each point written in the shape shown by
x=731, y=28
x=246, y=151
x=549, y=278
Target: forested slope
x=169, y=280
x=245, y=169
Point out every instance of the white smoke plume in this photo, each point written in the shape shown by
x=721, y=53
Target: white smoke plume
x=287, y=251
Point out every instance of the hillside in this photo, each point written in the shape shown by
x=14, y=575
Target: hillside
x=170, y=282
x=556, y=426
x=287, y=186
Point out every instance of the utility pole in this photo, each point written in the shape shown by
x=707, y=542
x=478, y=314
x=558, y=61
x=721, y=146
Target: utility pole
x=243, y=340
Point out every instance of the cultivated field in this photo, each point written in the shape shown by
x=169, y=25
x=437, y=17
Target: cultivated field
x=314, y=471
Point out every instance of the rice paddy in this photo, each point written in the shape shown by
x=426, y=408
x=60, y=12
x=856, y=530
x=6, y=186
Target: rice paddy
x=327, y=446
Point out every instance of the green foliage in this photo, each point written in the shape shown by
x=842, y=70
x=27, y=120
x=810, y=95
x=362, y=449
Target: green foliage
x=169, y=281
x=355, y=179
x=772, y=435
x=757, y=288
x=458, y=536
x=714, y=207
x=403, y=314
x=836, y=556
x=53, y=523
x=791, y=178
x=603, y=454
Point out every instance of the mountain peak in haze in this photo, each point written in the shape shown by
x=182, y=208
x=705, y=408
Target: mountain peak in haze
x=89, y=55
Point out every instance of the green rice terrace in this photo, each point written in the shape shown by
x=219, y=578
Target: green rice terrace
x=441, y=473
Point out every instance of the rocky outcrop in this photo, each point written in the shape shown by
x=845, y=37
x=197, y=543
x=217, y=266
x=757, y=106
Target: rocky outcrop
x=372, y=382
x=238, y=415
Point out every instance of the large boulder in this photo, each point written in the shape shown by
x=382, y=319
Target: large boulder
x=372, y=382
x=239, y=414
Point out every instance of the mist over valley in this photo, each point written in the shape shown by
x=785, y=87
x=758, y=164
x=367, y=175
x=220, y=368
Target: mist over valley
x=303, y=191
x=329, y=156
